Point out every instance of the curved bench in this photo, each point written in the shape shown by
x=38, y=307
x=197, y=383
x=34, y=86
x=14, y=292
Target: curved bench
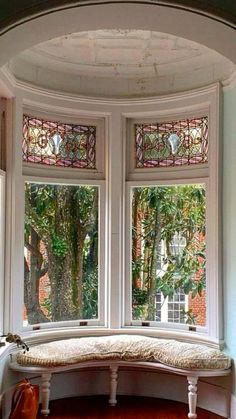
x=190, y=360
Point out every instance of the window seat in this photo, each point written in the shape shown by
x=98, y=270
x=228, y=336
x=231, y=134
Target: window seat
x=190, y=360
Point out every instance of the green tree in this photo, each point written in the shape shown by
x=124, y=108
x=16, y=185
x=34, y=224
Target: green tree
x=64, y=218
x=160, y=214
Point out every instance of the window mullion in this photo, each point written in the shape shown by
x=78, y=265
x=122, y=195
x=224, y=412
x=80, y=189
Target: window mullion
x=14, y=290
x=115, y=219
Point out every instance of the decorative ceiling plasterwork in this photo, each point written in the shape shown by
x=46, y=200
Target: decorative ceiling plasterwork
x=120, y=63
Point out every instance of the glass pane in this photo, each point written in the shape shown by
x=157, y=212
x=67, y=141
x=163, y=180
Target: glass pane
x=168, y=253
x=57, y=144
x=177, y=143
x=61, y=253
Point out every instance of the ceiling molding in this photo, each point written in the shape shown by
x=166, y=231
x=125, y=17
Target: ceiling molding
x=40, y=94
x=229, y=83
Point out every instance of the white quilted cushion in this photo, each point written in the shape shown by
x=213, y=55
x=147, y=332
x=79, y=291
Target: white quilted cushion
x=127, y=348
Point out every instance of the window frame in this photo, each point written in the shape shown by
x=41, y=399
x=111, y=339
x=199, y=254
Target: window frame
x=2, y=245
x=208, y=173
x=100, y=321
x=128, y=240
x=68, y=176
x=115, y=116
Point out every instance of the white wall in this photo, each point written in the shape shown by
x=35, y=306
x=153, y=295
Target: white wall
x=229, y=222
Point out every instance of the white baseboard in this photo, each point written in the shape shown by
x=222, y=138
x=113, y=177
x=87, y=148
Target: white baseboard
x=214, y=399
x=233, y=407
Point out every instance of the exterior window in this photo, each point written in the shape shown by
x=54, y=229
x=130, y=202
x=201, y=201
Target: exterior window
x=177, y=307
x=168, y=253
x=171, y=309
x=62, y=235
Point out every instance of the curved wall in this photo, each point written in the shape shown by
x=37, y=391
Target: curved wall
x=178, y=22
x=218, y=9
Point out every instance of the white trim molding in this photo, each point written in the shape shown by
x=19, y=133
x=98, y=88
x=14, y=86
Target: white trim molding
x=233, y=407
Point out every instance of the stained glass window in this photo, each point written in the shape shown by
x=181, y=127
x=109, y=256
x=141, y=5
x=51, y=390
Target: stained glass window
x=176, y=143
x=58, y=144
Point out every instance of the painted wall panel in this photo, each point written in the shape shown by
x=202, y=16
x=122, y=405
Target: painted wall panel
x=229, y=222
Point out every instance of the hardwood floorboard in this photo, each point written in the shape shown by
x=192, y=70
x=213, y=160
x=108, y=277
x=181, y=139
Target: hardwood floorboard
x=127, y=408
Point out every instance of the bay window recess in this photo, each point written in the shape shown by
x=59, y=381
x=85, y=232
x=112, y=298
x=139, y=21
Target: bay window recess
x=120, y=234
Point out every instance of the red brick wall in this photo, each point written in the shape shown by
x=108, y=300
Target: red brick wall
x=198, y=307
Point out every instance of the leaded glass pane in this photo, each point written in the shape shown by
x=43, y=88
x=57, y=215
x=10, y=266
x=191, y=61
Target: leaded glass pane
x=176, y=143
x=57, y=144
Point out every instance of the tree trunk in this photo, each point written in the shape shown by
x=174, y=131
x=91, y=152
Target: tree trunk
x=32, y=276
x=153, y=266
x=61, y=287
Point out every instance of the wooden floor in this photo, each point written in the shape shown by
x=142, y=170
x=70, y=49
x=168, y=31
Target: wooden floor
x=127, y=408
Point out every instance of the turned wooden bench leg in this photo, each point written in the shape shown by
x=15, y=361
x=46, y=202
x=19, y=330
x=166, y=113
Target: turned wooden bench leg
x=113, y=385
x=192, y=396
x=45, y=393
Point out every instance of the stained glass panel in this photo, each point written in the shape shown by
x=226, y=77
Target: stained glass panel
x=176, y=143
x=58, y=144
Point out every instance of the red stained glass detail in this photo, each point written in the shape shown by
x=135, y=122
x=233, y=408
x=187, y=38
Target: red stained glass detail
x=177, y=143
x=57, y=144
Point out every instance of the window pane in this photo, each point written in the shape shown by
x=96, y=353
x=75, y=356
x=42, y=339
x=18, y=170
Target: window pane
x=177, y=143
x=168, y=253
x=57, y=144
x=61, y=252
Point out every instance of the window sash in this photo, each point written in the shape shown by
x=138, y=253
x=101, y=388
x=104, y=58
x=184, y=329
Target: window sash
x=102, y=305
x=127, y=308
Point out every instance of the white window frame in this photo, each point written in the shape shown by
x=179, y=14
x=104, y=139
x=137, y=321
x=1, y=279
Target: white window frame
x=209, y=174
x=100, y=321
x=128, y=288
x=67, y=176
x=115, y=117
x=2, y=246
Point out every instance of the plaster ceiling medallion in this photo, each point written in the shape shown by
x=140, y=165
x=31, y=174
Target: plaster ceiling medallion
x=120, y=63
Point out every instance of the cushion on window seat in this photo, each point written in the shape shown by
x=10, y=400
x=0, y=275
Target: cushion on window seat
x=125, y=348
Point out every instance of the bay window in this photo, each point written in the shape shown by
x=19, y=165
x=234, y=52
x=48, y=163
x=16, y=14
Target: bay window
x=116, y=217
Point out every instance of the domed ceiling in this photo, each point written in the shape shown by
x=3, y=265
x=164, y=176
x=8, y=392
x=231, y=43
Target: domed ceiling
x=120, y=63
